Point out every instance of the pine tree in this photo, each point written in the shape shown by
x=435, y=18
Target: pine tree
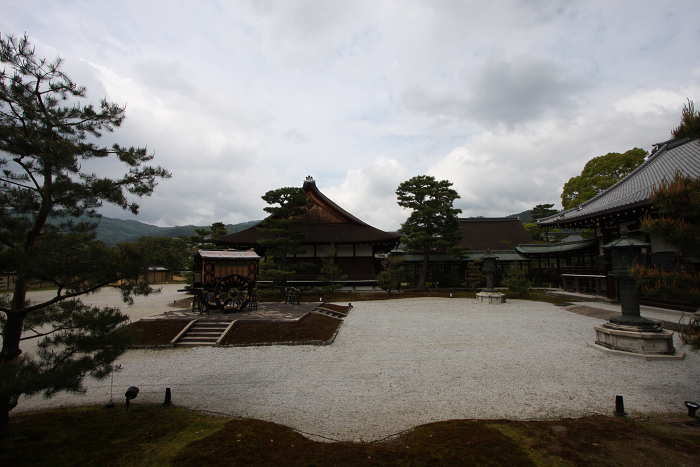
x=392, y=273
x=474, y=276
x=517, y=281
x=432, y=225
x=330, y=271
x=690, y=122
x=204, y=239
x=278, y=233
x=46, y=133
x=542, y=210
x=678, y=224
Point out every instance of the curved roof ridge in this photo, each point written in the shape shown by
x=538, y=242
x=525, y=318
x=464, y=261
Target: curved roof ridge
x=310, y=185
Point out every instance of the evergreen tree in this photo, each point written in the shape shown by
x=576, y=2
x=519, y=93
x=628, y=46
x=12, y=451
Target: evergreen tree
x=330, y=271
x=217, y=230
x=535, y=231
x=204, y=239
x=516, y=280
x=433, y=225
x=392, y=273
x=474, y=276
x=46, y=133
x=690, y=122
x=278, y=235
x=678, y=224
x=542, y=210
x=169, y=253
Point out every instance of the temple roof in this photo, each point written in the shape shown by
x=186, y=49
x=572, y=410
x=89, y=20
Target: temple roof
x=324, y=223
x=635, y=189
x=548, y=248
x=483, y=233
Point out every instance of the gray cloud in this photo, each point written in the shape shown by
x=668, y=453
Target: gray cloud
x=505, y=91
x=519, y=90
x=239, y=97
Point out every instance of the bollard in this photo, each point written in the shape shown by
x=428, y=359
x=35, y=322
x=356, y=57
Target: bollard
x=619, y=406
x=168, y=396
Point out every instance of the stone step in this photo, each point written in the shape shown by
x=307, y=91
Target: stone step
x=203, y=333
x=193, y=344
x=331, y=313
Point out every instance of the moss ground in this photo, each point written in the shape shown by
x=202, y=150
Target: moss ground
x=154, y=436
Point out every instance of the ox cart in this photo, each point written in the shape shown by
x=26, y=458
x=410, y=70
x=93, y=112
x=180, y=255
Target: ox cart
x=224, y=279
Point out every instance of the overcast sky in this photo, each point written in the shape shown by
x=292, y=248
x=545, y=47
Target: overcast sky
x=506, y=99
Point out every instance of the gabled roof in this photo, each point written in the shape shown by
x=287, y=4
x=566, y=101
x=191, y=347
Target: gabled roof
x=501, y=255
x=484, y=233
x=227, y=254
x=324, y=223
x=635, y=189
x=548, y=248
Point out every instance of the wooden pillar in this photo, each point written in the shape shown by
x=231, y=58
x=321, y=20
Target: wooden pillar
x=354, y=260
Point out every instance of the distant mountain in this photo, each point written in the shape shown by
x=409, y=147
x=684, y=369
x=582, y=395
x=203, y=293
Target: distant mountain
x=113, y=231
x=525, y=217
x=177, y=231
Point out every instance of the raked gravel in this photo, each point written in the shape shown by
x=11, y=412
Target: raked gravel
x=402, y=363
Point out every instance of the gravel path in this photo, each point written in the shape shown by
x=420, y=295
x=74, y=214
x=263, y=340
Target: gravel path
x=401, y=363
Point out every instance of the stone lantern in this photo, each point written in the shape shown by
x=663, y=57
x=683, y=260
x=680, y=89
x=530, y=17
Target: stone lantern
x=630, y=334
x=488, y=266
x=489, y=294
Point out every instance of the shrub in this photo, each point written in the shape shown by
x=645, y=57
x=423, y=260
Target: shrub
x=516, y=280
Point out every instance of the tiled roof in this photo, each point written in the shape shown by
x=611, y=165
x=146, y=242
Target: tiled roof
x=223, y=254
x=483, y=233
x=535, y=248
x=501, y=255
x=340, y=227
x=635, y=189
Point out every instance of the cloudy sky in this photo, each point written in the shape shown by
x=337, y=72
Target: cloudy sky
x=506, y=99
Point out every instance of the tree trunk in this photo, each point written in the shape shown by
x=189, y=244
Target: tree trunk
x=11, y=336
x=5, y=417
x=10, y=352
x=424, y=270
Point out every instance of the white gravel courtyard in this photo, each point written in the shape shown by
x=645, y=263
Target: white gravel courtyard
x=401, y=363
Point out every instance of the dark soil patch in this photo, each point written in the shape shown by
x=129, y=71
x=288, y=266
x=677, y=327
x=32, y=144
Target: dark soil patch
x=150, y=435
x=159, y=332
x=311, y=327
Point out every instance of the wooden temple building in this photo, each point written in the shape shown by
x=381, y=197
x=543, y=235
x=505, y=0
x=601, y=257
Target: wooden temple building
x=625, y=204
x=499, y=235
x=325, y=224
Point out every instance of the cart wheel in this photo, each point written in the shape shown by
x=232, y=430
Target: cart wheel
x=231, y=293
x=208, y=301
